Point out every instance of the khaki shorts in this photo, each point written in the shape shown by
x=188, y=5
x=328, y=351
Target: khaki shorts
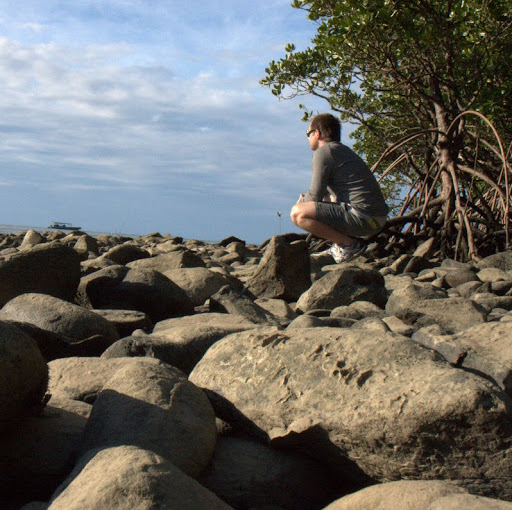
x=345, y=219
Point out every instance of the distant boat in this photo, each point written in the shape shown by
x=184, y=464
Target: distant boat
x=61, y=225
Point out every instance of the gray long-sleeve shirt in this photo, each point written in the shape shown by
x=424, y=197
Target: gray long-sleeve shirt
x=339, y=171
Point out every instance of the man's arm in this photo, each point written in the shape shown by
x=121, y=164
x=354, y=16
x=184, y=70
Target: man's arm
x=321, y=170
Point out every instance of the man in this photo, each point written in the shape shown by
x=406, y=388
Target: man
x=344, y=201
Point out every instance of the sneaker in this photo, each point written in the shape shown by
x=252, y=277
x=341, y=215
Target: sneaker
x=335, y=251
x=347, y=253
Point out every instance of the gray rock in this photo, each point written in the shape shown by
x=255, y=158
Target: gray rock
x=493, y=274
x=200, y=283
x=49, y=268
x=374, y=405
x=228, y=300
x=176, y=259
x=344, y=286
x=125, y=253
x=144, y=290
x=149, y=404
x=86, y=245
x=247, y=474
x=58, y=316
x=502, y=260
x=283, y=272
x=23, y=375
x=129, y=477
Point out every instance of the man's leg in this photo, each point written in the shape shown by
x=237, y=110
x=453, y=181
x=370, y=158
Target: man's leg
x=303, y=214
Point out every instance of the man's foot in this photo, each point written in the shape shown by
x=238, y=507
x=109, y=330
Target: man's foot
x=347, y=253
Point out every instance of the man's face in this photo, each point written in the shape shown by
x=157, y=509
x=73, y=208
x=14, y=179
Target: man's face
x=313, y=138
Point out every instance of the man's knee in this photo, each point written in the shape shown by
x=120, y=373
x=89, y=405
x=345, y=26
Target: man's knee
x=294, y=214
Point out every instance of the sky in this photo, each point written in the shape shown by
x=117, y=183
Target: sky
x=141, y=116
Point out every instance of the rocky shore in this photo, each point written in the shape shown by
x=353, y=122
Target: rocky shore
x=168, y=374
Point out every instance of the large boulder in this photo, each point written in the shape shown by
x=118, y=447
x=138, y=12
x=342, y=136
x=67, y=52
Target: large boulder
x=248, y=474
x=144, y=290
x=283, y=272
x=23, y=375
x=344, y=286
x=375, y=405
x=149, y=404
x=200, y=283
x=49, y=268
x=129, y=477
x=59, y=316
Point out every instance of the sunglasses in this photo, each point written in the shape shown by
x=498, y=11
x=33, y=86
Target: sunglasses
x=308, y=133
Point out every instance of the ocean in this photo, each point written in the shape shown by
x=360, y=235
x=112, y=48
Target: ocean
x=15, y=229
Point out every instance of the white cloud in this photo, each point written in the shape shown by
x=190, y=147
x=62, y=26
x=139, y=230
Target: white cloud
x=154, y=103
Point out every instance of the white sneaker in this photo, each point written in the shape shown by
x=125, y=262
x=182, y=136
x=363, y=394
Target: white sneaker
x=347, y=253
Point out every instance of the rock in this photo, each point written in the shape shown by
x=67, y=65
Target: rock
x=306, y=321
x=358, y=310
x=247, y=474
x=489, y=301
x=469, y=502
x=426, y=304
x=283, y=272
x=32, y=238
x=176, y=259
x=459, y=277
x=228, y=300
x=129, y=477
x=200, y=283
x=38, y=454
x=344, y=286
x=371, y=406
x=182, y=347
x=126, y=321
x=126, y=253
x=58, y=316
x=149, y=404
x=53, y=346
x=147, y=291
x=49, y=268
x=23, y=375
x=278, y=307
x=425, y=249
x=86, y=245
x=485, y=349
x=493, y=274
x=401, y=495
x=225, y=321
x=502, y=260
x=231, y=239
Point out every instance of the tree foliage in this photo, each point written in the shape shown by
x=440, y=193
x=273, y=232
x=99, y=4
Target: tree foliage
x=398, y=68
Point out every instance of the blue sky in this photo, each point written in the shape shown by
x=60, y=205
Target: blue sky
x=135, y=116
